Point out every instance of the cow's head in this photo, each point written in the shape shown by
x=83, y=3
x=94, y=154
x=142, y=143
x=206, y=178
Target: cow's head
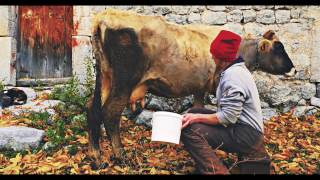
x=267, y=54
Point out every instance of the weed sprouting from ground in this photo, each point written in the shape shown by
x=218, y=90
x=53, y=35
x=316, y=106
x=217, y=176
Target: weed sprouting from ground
x=1, y=86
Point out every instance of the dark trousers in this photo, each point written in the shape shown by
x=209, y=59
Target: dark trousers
x=200, y=140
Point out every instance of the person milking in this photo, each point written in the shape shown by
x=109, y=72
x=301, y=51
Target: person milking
x=237, y=126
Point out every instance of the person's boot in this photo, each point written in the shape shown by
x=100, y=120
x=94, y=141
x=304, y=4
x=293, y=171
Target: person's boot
x=257, y=162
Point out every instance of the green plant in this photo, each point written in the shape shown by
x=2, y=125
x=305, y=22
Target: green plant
x=72, y=149
x=11, y=154
x=78, y=124
x=56, y=134
x=39, y=119
x=1, y=85
x=90, y=77
x=74, y=92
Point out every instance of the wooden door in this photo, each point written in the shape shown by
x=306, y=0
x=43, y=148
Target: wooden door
x=44, y=42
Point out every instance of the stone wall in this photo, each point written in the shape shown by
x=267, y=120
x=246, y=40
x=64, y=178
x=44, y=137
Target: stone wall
x=8, y=43
x=297, y=27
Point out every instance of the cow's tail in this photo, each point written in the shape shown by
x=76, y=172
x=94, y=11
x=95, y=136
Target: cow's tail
x=126, y=59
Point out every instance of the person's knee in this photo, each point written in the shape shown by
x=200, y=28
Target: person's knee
x=192, y=132
x=201, y=111
x=195, y=110
x=189, y=131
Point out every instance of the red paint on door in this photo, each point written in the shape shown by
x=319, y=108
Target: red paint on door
x=45, y=41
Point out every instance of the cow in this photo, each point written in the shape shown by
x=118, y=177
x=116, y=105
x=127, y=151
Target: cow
x=136, y=54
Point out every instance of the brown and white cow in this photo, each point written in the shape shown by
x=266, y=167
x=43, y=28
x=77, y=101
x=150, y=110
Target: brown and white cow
x=137, y=53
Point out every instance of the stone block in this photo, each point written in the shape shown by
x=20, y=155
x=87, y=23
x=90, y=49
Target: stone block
x=7, y=57
x=266, y=17
x=315, y=101
x=259, y=7
x=144, y=118
x=308, y=90
x=82, y=25
x=179, y=19
x=4, y=21
x=268, y=113
x=295, y=13
x=315, y=56
x=216, y=8
x=20, y=138
x=318, y=90
x=181, y=10
x=235, y=16
x=282, y=16
x=81, y=11
x=214, y=18
x=255, y=29
x=249, y=16
x=197, y=9
x=161, y=10
x=235, y=27
x=194, y=18
x=81, y=51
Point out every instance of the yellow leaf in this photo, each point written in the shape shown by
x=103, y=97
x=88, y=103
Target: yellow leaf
x=292, y=165
x=59, y=165
x=159, y=155
x=74, y=171
x=44, y=169
x=290, y=134
x=164, y=172
x=315, y=155
x=16, y=159
x=153, y=171
x=119, y=169
x=221, y=154
x=128, y=141
x=82, y=140
x=79, y=156
x=279, y=157
x=62, y=158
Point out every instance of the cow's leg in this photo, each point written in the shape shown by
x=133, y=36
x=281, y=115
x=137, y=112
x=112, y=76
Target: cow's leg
x=94, y=122
x=138, y=94
x=111, y=118
x=198, y=100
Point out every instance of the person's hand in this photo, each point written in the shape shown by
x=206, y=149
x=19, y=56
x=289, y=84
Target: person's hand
x=190, y=118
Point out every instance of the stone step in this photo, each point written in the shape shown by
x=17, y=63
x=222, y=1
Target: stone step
x=20, y=138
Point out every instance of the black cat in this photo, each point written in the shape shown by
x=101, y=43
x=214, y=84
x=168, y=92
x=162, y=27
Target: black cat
x=12, y=96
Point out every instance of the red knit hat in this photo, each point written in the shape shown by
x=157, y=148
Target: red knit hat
x=225, y=46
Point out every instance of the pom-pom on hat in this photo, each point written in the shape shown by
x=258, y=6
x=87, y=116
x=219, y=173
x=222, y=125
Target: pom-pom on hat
x=225, y=46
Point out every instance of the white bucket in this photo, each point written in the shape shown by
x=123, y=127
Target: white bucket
x=166, y=127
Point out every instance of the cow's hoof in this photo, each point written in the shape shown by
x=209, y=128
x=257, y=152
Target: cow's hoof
x=122, y=159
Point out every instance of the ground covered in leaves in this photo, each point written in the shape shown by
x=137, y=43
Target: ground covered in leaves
x=292, y=143
x=69, y=154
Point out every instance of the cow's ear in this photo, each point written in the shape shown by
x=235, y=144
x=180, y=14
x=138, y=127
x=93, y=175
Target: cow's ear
x=265, y=46
x=270, y=35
